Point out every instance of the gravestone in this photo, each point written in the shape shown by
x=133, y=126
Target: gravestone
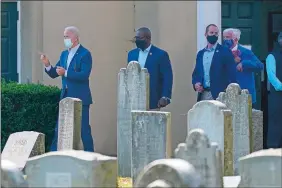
x=22, y=145
x=240, y=103
x=168, y=173
x=72, y=168
x=231, y=181
x=261, y=169
x=204, y=156
x=69, y=129
x=11, y=176
x=151, y=138
x=257, y=138
x=215, y=119
x=133, y=94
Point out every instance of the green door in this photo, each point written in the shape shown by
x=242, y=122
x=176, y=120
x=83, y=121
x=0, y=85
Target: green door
x=245, y=15
x=9, y=17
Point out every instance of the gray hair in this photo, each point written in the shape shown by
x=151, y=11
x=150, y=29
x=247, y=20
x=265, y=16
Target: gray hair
x=236, y=32
x=73, y=29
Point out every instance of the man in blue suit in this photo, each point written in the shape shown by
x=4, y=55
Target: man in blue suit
x=158, y=64
x=74, y=67
x=247, y=62
x=215, y=67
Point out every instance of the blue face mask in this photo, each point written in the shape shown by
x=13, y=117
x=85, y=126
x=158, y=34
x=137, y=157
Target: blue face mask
x=68, y=43
x=228, y=43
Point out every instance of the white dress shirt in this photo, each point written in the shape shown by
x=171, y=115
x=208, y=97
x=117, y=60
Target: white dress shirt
x=72, y=52
x=235, y=48
x=143, y=56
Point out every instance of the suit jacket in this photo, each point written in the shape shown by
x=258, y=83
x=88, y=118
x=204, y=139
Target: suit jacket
x=222, y=70
x=250, y=64
x=78, y=72
x=161, y=76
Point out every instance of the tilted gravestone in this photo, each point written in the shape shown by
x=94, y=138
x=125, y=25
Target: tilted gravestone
x=204, y=156
x=261, y=169
x=22, y=145
x=133, y=94
x=72, y=168
x=69, y=129
x=240, y=103
x=215, y=119
x=168, y=173
x=151, y=138
x=257, y=125
x=11, y=176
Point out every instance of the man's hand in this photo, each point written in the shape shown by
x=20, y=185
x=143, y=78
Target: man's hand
x=60, y=71
x=45, y=60
x=163, y=102
x=199, y=87
x=239, y=67
x=237, y=59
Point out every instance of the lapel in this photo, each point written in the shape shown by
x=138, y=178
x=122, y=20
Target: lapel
x=75, y=55
x=215, y=55
x=150, y=56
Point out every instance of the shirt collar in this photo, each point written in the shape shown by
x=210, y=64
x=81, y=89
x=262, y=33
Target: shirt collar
x=147, y=49
x=235, y=47
x=74, y=49
x=212, y=48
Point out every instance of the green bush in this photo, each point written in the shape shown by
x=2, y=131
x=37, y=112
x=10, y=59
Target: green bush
x=28, y=107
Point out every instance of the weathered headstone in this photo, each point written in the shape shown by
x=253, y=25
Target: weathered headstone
x=204, y=156
x=168, y=173
x=133, y=94
x=240, y=103
x=69, y=129
x=151, y=138
x=257, y=136
x=72, y=168
x=216, y=120
x=22, y=145
x=261, y=169
x=11, y=176
x=231, y=181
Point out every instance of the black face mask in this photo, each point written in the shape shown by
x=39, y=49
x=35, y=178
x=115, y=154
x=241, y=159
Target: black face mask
x=141, y=44
x=212, y=39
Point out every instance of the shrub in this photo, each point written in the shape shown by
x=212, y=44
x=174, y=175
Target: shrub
x=28, y=107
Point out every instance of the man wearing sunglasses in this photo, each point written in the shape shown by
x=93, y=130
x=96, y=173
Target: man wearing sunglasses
x=158, y=64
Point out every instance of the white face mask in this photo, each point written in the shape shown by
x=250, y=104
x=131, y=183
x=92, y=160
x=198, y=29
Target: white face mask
x=68, y=43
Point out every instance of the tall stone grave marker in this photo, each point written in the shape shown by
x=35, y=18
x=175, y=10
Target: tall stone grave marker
x=72, y=168
x=257, y=125
x=22, y=145
x=133, y=94
x=69, y=130
x=11, y=176
x=215, y=119
x=261, y=169
x=204, y=156
x=239, y=102
x=168, y=173
x=151, y=138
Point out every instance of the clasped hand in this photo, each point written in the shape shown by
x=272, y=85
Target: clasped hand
x=60, y=70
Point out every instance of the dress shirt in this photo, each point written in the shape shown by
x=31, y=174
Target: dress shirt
x=72, y=52
x=207, y=60
x=143, y=56
x=235, y=48
x=271, y=73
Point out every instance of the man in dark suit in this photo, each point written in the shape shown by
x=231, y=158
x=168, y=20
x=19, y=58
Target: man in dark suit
x=246, y=61
x=74, y=67
x=158, y=64
x=215, y=67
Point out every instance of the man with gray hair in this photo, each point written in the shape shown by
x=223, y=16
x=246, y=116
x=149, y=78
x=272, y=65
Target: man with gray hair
x=247, y=62
x=74, y=67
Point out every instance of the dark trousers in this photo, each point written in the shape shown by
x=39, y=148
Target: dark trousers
x=85, y=132
x=274, y=131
